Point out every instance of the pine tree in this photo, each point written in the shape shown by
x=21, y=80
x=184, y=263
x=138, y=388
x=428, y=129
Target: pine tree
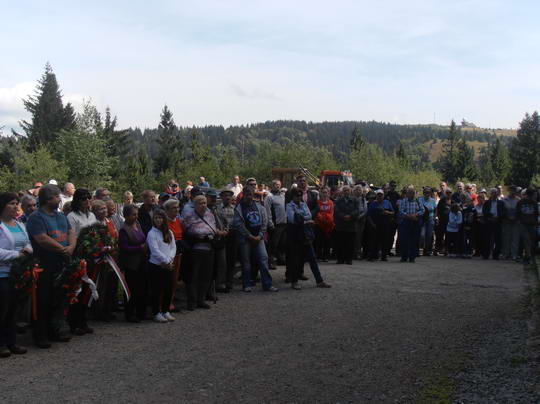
x=49, y=116
x=466, y=166
x=170, y=144
x=449, y=162
x=500, y=161
x=525, y=151
x=118, y=141
x=357, y=140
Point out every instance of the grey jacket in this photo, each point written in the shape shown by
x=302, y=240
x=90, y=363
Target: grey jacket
x=240, y=226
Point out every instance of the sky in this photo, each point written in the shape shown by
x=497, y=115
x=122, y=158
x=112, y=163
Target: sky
x=239, y=62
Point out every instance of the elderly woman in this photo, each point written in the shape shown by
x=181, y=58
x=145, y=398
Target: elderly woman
x=300, y=236
x=200, y=230
x=108, y=283
x=132, y=259
x=114, y=217
x=172, y=208
x=14, y=243
x=80, y=215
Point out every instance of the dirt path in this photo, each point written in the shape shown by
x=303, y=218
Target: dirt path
x=386, y=332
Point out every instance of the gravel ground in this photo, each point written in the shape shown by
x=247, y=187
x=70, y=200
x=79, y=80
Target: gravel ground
x=434, y=331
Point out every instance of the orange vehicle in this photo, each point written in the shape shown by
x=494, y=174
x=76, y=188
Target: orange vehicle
x=328, y=178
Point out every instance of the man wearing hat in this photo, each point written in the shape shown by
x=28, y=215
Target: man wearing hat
x=225, y=211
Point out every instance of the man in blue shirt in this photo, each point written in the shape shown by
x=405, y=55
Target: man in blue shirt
x=53, y=241
x=410, y=214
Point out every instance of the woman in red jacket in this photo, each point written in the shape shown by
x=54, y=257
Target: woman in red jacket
x=324, y=220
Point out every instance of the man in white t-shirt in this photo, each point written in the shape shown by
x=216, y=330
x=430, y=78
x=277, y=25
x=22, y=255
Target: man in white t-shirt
x=67, y=195
x=236, y=186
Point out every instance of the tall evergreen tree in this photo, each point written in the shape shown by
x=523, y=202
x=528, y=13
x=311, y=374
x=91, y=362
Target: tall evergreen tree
x=449, y=162
x=357, y=140
x=500, y=161
x=48, y=114
x=118, y=141
x=525, y=151
x=466, y=166
x=170, y=153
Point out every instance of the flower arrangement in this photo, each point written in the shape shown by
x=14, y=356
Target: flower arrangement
x=94, y=243
x=71, y=279
x=25, y=272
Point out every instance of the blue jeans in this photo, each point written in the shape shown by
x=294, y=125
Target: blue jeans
x=257, y=252
x=408, y=236
x=426, y=234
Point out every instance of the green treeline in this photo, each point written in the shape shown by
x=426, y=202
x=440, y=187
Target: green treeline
x=88, y=149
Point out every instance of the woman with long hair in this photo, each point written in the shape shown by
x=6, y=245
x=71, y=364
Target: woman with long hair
x=132, y=260
x=162, y=248
x=80, y=217
x=14, y=243
x=172, y=208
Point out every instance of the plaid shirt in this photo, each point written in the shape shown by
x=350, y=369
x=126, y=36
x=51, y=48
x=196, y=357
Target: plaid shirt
x=408, y=207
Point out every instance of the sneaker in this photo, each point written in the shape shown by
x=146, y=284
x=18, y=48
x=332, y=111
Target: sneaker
x=296, y=286
x=272, y=289
x=158, y=318
x=249, y=289
x=169, y=317
x=323, y=285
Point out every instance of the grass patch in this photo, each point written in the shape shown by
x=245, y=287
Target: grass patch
x=438, y=391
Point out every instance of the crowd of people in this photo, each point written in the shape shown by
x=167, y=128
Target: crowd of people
x=201, y=238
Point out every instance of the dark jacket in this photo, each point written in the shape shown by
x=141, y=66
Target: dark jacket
x=501, y=211
x=145, y=220
x=342, y=208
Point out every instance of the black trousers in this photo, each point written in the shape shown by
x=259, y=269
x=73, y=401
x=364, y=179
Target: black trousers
x=390, y=236
x=198, y=275
x=161, y=288
x=138, y=285
x=76, y=316
x=322, y=243
x=379, y=244
x=50, y=302
x=8, y=308
x=275, y=242
x=345, y=245
x=454, y=242
x=440, y=234
x=494, y=239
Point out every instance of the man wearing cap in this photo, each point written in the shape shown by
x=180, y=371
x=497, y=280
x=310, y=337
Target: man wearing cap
x=277, y=221
x=226, y=212
x=220, y=260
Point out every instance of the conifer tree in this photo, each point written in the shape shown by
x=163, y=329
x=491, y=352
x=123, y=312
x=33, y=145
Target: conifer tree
x=448, y=162
x=48, y=114
x=525, y=151
x=170, y=144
